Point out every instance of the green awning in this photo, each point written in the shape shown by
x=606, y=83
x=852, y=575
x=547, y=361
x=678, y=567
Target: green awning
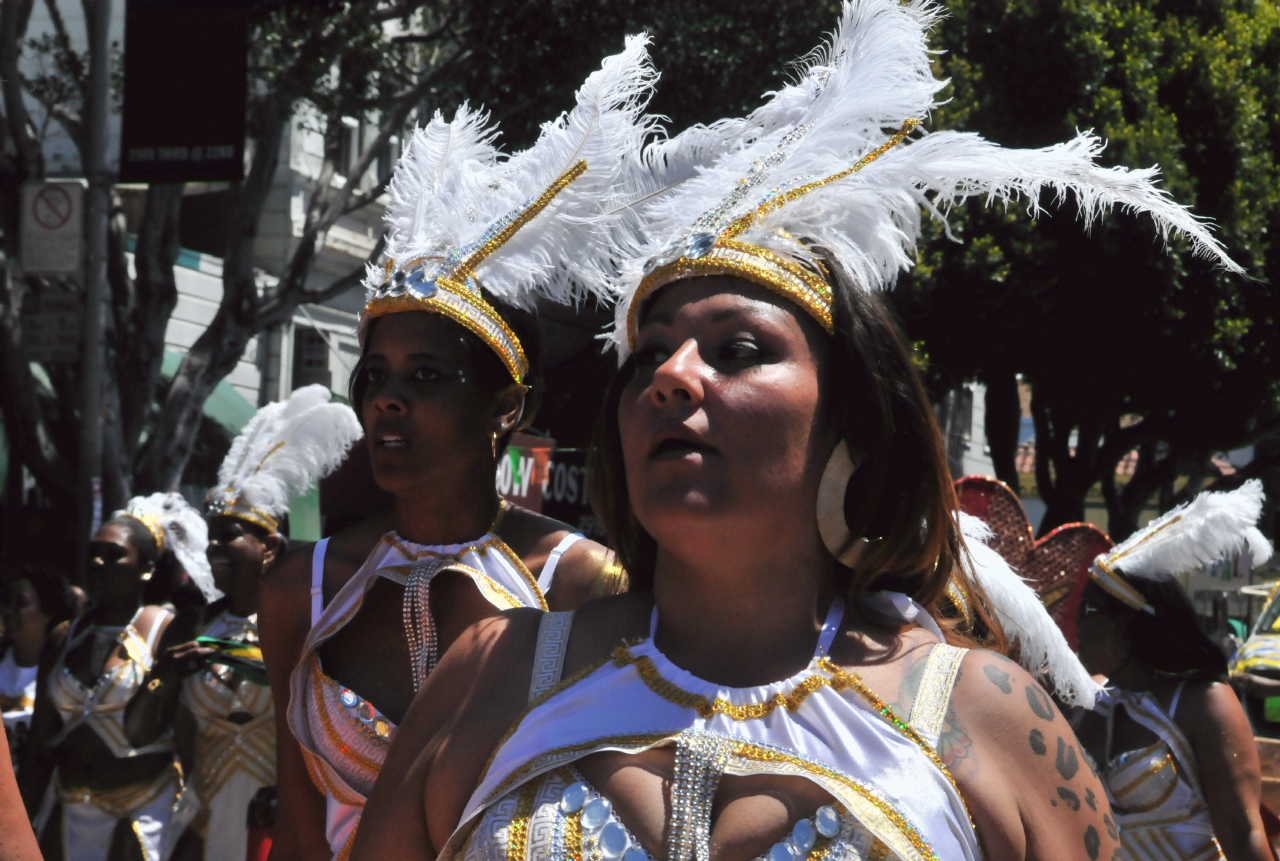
x=225, y=405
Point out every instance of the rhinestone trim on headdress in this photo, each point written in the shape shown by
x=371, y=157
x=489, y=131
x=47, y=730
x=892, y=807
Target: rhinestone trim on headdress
x=446, y=283
x=711, y=246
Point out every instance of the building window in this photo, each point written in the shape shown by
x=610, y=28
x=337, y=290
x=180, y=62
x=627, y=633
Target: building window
x=310, y=359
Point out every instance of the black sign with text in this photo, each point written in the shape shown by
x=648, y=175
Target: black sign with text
x=185, y=79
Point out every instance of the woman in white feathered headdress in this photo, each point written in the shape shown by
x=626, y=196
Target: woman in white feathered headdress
x=767, y=454
x=218, y=683
x=79, y=752
x=1172, y=742
x=449, y=369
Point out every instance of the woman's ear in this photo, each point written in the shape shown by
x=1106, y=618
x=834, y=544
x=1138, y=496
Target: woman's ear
x=508, y=409
x=271, y=549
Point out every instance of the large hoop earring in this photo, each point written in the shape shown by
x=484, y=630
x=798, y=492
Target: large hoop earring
x=832, y=526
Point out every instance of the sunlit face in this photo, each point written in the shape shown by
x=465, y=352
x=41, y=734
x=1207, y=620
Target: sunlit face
x=720, y=424
x=1103, y=633
x=236, y=555
x=425, y=417
x=115, y=568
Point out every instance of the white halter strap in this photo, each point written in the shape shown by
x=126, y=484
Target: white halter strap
x=835, y=615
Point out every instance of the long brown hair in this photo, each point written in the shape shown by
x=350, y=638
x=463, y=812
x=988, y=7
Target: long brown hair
x=901, y=499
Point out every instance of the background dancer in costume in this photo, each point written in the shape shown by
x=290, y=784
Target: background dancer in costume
x=116, y=798
x=1171, y=741
x=222, y=711
x=449, y=370
x=767, y=454
x=35, y=601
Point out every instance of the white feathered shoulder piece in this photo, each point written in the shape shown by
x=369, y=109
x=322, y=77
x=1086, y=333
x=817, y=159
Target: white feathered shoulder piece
x=177, y=527
x=1190, y=536
x=1042, y=648
x=284, y=449
x=465, y=218
x=841, y=160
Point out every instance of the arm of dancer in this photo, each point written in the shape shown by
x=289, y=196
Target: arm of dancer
x=476, y=692
x=152, y=708
x=284, y=607
x=1018, y=764
x=1227, y=762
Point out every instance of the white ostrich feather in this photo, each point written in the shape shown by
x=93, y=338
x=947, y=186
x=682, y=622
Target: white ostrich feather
x=286, y=448
x=1196, y=534
x=1043, y=650
x=452, y=185
x=185, y=533
x=854, y=94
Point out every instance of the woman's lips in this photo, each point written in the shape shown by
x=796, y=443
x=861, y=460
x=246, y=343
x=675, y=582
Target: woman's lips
x=675, y=448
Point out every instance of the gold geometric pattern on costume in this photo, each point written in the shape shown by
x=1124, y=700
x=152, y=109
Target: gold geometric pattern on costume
x=929, y=709
x=122, y=802
x=446, y=283
x=839, y=681
x=222, y=746
x=720, y=253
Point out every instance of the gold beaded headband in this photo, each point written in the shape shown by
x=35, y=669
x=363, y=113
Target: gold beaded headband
x=447, y=284
x=708, y=251
x=1103, y=572
x=227, y=501
x=153, y=526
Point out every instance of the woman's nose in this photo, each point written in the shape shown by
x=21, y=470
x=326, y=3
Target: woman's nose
x=678, y=380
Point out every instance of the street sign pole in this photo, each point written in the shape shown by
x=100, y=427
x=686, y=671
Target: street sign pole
x=97, y=169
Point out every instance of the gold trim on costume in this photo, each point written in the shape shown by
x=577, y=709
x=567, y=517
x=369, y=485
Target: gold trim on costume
x=152, y=525
x=518, y=835
x=447, y=283
x=722, y=254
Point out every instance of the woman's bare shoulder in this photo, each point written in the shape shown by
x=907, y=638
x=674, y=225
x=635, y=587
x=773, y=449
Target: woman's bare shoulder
x=1023, y=772
x=586, y=569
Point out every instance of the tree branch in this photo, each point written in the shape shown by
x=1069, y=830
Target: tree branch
x=75, y=69
x=276, y=310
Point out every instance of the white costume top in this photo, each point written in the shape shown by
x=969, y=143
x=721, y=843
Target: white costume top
x=344, y=738
x=893, y=798
x=1155, y=791
x=17, y=691
x=232, y=760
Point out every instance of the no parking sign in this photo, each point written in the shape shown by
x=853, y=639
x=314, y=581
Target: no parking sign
x=53, y=227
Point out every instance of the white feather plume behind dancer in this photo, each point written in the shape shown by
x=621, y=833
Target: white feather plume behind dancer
x=465, y=218
x=1042, y=648
x=1190, y=536
x=815, y=167
x=176, y=526
x=284, y=449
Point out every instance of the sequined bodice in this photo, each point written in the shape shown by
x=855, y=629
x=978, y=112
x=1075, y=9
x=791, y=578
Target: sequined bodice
x=561, y=816
x=344, y=738
x=1155, y=791
x=102, y=706
x=223, y=745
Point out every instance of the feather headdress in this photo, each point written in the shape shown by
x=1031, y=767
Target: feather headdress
x=839, y=161
x=463, y=216
x=283, y=450
x=1190, y=536
x=1042, y=649
x=178, y=527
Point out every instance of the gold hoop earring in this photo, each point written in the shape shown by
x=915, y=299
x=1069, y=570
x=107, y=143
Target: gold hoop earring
x=493, y=444
x=832, y=526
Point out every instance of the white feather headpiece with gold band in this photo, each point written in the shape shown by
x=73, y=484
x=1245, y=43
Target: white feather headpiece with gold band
x=464, y=218
x=1183, y=539
x=284, y=449
x=179, y=528
x=841, y=161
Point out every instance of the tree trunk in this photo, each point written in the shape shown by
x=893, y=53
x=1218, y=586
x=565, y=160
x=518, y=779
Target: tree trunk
x=1063, y=477
x=1125, y=504
x=1002, y=422
x=218, y=349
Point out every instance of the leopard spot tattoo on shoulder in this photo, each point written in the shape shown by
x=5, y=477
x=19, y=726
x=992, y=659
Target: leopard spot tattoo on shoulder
x=1040, y=703
x=1038, y=747
x=1066, y=761
x=998, y=677
x=1073, y=800
x=1092, y=842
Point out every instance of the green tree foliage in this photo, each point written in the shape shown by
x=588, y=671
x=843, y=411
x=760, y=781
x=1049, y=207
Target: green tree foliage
x=1125, y=346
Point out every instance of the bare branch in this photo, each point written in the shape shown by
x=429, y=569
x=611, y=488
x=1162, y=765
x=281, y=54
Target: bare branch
x=13, y=26
x=278, y=309
x=68, y=118
x=391, y=124
x=360, y=201
x=74, y=67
